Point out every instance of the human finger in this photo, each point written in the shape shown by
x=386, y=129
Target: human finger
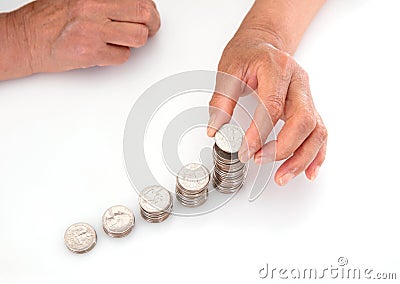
x=271, y=105
x=302, y=157
x=112, y=55
x=223, y=102
x=300, y=116
x=125, y=34
x=313, y=169
x=136, y=11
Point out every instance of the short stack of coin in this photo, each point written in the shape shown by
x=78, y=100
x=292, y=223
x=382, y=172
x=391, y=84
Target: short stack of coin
x=80, y=237
x=229, y=172
x=155, y=203
x=192, y=185
x=118, y=221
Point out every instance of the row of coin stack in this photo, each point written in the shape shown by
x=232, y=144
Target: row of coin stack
x=156, y=202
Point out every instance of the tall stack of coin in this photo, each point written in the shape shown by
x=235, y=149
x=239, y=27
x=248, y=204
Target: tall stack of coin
x=155, y=203
x=192, y=185
x=118, y=221
x=229, y=172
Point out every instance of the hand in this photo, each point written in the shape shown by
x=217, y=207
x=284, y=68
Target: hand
x=61, y=35
x=283, y=91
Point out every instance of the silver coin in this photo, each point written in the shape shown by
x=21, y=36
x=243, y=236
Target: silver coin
x=228, y=173
x=229, y=138
x=228, y=184
x=193, y=177
x=155, y=198
x=191, y=200
x=190, y=194
x=152, y=218
x=227, y=190
x=155, y=217
x=80, y=238
x=155, y=203
x=223, y=156
x=192, y=185
x=118, y=221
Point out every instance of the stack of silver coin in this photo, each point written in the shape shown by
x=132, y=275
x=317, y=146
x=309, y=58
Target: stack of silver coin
x=192, y=185
x=229, y=172
x=118, y=221
x=155, y=203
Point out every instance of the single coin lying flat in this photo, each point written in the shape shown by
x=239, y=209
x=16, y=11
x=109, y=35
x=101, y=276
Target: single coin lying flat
x=80, y=238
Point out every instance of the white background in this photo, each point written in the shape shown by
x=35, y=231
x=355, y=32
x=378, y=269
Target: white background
x=61, y=160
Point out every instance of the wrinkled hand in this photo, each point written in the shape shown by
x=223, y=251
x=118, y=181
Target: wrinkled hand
x=67, y=34
x=283, y=91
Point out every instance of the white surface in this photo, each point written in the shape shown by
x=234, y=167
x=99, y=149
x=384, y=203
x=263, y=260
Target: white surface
x=61, y=160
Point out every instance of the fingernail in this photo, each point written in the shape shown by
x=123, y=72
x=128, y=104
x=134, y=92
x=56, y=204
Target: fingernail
x=286, y=178
x=244, y=155
x=211, y=129
x=315, y=173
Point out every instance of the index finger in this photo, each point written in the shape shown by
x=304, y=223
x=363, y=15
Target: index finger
x=271, y=95
x=223, y=102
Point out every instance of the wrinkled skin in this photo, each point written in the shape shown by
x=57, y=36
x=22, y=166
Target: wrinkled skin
x=284, y=93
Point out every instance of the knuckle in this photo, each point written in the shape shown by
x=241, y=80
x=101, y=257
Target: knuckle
x=144, y=10
x=255, y=144
x=153, y=4
x=231, y=67
x=302, y=76
x=321, y=132
x=284, y=65
x=274, y=105
x=222, y=102
x=215, y=100
x=230, y=61
x=307, y=122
